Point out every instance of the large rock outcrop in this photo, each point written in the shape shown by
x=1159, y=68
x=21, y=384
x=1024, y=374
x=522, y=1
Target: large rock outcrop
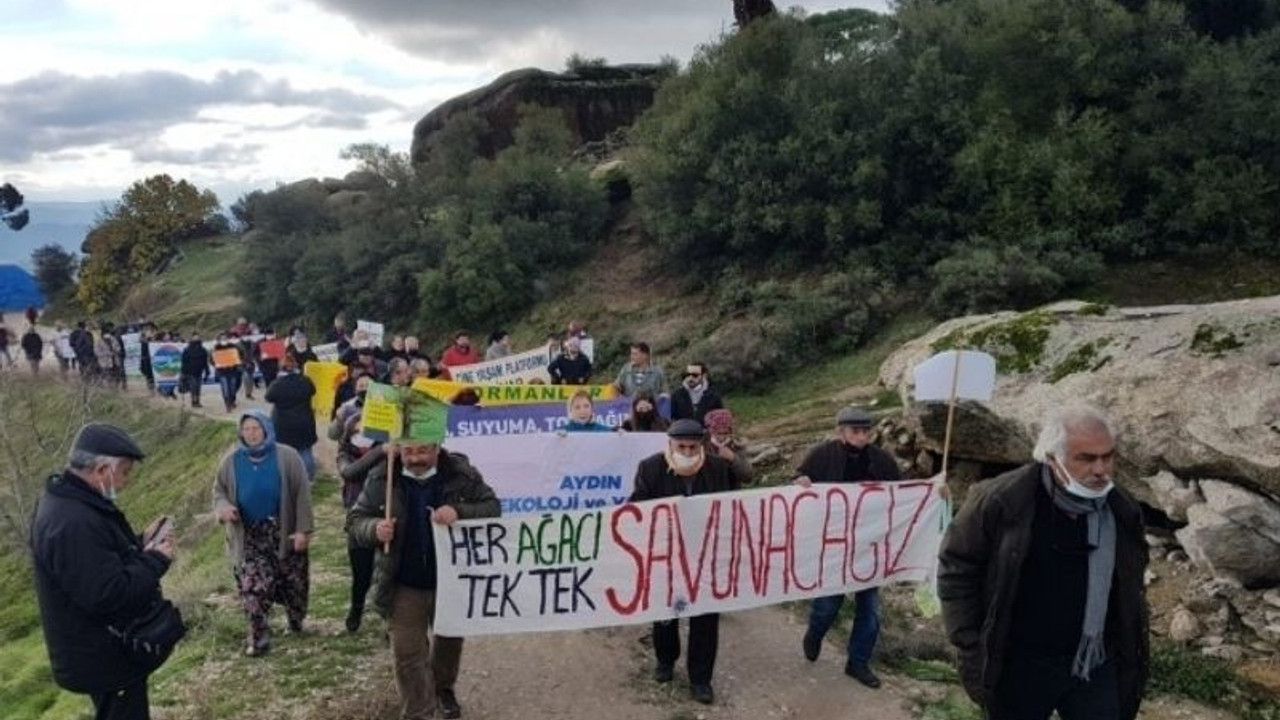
x=1194, y=390
x=596, y=101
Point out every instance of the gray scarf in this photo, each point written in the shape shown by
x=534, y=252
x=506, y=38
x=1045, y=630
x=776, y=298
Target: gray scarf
x=1102, y=562
x=695, y=392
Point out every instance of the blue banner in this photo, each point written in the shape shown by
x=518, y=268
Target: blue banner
x=475, y=420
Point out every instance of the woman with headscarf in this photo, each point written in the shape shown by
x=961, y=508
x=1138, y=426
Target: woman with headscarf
x=722, y=443
x=644, y=415
x=262, y=497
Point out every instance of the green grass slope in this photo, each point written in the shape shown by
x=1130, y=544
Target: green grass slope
x=207, y=677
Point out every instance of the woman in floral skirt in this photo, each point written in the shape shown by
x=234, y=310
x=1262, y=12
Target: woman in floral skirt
x=262, y=497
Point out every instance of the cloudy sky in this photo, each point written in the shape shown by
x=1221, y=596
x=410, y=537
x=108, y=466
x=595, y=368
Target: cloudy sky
x=239, y=94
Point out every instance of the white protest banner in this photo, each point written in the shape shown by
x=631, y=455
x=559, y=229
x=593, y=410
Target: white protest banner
x=682, y=556
x=548, y=471
x=512, y=369
x=375, y=330
x=973, y=374
x=588, y=347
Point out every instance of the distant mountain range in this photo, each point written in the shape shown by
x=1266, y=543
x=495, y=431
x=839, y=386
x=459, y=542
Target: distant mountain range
x=62, y=223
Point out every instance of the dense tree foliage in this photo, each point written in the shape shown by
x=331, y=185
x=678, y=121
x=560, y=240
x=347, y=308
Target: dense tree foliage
x=55, y=269
x=140, y=233
x=1006, y=149
x=463, y=241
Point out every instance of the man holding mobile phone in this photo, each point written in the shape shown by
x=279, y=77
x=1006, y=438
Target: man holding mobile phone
x=92, y=572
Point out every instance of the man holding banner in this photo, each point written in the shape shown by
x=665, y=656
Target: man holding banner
x=685, y=469
x=427, y=485
x=850, y=458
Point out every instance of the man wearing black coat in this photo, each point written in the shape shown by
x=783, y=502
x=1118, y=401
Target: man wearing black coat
x=290, y=397
x=93, y=574
x=33, y=348
x=685, y=469
x=571, y=367
x=195, y=363
x=695, y=398
x=850, y=458
x=82, y=345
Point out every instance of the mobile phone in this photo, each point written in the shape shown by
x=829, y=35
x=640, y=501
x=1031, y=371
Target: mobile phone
x=163, y=530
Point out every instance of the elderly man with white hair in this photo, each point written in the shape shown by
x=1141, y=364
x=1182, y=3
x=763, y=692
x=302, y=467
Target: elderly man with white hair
x=1041, y=581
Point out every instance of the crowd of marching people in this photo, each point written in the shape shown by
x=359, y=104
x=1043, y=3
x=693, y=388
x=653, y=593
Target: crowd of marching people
x=1083, y=542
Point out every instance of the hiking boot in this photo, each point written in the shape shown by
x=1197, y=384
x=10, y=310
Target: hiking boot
x=353, y=619
x=663, y=673
x=447, y=702
x=862, y=674
x=702, y=693
x=812, y=646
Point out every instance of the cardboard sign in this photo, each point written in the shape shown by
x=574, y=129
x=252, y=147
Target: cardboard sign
x=976, y=378
x=392, y=413
x=273, y=349
x=226, y=358
x=682, y=556
x=376, y=331
x=326, y=376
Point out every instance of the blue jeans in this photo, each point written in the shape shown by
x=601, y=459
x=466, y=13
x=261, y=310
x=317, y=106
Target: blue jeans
x=230, y=384
x=866, y=622
x=309, y=462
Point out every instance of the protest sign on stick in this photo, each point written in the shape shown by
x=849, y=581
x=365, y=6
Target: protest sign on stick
x=954, y=375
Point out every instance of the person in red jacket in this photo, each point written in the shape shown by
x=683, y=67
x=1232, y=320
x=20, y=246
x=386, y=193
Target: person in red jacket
x=460, y=352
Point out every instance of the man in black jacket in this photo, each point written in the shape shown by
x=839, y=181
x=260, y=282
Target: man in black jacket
x=82, y=345
x=290, y=397
x=685, y=469
x=33, y=348
x=695, y=398
x=1041, y=582
x=571, y=367
x=849, y=458
x=195, y=363
x=93, y=574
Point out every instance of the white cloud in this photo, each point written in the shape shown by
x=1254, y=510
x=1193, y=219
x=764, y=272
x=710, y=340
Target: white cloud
x=412, y=54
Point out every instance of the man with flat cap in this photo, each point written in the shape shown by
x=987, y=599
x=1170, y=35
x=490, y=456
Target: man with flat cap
x=848, y=458
x=685, y=469
x=93, y=574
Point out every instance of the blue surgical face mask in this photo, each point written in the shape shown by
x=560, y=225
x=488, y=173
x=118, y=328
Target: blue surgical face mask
x=1080, y=490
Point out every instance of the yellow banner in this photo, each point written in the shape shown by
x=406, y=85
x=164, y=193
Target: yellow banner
x=326, y=376
x=446, y=391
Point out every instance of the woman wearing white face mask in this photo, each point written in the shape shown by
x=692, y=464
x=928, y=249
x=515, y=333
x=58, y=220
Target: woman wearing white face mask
x=685, y=469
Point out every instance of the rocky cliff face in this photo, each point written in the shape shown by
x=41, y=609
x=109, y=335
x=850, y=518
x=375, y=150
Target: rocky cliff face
x=1195, y=393
x=595, y=100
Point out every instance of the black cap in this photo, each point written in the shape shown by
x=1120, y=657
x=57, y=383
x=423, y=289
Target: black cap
x=108, y=440
x=686, y=429
x=853, y=417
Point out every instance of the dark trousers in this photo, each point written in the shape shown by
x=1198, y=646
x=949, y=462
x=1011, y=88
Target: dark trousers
x=704, y=636
x=361, y=560
x=1032, y=687
x=128, y=704
x=193, y=384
